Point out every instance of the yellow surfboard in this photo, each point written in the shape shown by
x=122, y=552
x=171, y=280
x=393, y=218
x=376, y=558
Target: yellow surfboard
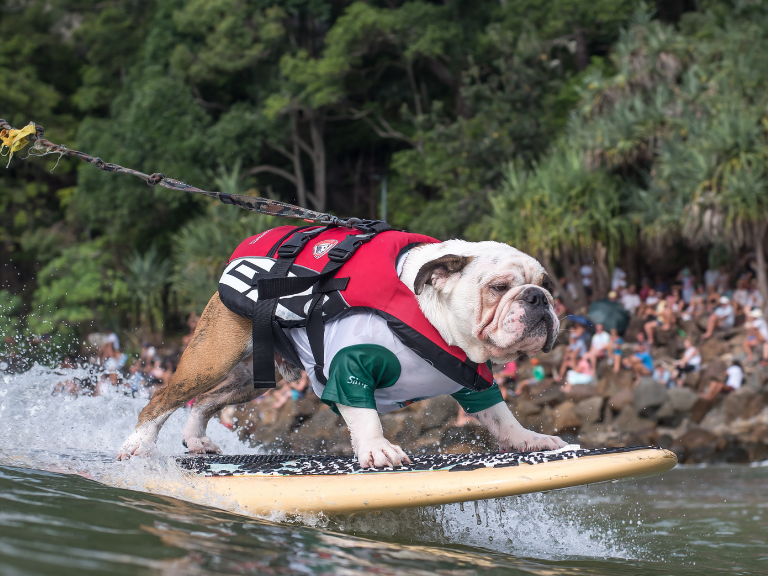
x=263, y=484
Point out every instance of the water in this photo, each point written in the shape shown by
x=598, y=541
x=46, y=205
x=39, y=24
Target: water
x=67, y=507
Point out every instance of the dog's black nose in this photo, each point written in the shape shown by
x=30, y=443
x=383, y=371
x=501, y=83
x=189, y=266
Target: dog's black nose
x=535, y=297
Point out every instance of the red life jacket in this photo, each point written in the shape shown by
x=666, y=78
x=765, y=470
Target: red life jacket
x=373, y=286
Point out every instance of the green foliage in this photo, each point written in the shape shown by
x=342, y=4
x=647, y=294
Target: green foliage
x=203, y=246
x=81, y=286
x=146, y=279
x=10, y=323
x=572, y=129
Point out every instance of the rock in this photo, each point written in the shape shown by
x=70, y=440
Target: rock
x=438, y=412
x=589, y=410
x=553, y=358
x=550, y=396
x=696, y=445
x=743, y=403
x=629, y=422
x=635, y=326
x=714, y=418
x=565, y=418
x=699, y=409
x=522, y=409
x=690, y=328
x=758, y=377
x=712, y=348
x=620, y=399
x=664, y=337
x=581, y=392
x=682, y=399
x=692, y=380
x=666, y=413
x=648, y=394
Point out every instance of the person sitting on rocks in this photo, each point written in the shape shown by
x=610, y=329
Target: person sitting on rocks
x=757, y=333
x=722, y=317
x=690, y=362
x=576, y=349
x=581, y=374
x=663, y=376
x=648, y=307
x=641, y=362
x=598, y=348
x=712, y=299
x=630, y=300
x=697, y=305
x=614, y=348
x=731, y=380
x=656, y=318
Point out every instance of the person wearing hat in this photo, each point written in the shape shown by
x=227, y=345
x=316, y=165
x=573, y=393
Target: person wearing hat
x=722, y=317
x=757, y=333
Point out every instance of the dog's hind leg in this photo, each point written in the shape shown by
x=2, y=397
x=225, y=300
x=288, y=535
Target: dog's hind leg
x=236, y=388
x=221, y=341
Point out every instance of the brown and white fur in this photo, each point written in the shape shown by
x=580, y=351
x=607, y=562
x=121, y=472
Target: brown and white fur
x=488, y=298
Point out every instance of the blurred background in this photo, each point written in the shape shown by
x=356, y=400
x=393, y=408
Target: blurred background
x=586, y=132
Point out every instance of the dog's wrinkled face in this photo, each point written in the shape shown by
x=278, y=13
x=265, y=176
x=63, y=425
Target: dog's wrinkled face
x=490, y=299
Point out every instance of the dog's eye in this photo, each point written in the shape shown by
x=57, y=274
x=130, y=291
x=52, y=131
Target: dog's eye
x=499, y=287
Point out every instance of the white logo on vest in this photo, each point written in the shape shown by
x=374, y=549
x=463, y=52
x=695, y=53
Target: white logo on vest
x=321, y=248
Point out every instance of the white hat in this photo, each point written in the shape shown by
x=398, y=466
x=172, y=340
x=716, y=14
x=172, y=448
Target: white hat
x=724, y=300
x=756, y=313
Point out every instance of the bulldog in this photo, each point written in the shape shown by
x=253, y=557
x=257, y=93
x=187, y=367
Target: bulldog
x=491, y=300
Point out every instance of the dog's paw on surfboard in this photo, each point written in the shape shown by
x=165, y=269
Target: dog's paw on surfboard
x=528, y=441
x=380, y=453
x=141, y=440
x=201, y=445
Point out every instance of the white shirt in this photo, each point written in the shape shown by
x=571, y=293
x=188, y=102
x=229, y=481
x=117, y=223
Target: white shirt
x=761, y=326
x=630, y=302
x=586, y=275
x=710, y=277
x=619, y=279
x=694, y=360
x=741, y=296
x=600, y=341
x=725, y=311
x=735, y=377
x=418, y=378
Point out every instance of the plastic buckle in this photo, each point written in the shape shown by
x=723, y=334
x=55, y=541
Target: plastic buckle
x=294, y=245
x=341, y=254
x=371, y=225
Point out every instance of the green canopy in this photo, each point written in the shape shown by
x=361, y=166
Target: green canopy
x=610, y=314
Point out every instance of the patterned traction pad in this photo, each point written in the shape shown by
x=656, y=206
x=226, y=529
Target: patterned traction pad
x=291, y=465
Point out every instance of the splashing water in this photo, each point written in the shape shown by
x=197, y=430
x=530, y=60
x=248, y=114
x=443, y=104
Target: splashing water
x=82, y=435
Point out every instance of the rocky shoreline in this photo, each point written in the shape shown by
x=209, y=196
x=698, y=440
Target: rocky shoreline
x=612, y=412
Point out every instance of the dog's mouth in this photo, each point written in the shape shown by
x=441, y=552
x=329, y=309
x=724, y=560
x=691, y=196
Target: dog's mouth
x=535, y=330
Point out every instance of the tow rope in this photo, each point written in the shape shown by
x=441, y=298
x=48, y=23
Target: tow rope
x=15, y=139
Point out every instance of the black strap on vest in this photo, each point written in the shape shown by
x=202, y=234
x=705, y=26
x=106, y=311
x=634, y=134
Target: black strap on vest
x=264, y=309
x=275, y=285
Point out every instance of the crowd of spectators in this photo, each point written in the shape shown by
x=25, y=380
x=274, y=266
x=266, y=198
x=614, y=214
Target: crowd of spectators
x=715, y=303
x=109, y=370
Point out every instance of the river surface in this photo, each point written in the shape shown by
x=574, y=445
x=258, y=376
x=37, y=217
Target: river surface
x=67, y=507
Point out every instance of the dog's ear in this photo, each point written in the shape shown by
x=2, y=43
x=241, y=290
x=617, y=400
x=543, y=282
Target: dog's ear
x=547, y=284
x=435, y=272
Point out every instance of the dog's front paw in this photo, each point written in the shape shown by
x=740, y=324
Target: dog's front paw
x=530, y=442
x=380, y=453
x=139, y=442
x=201, y=445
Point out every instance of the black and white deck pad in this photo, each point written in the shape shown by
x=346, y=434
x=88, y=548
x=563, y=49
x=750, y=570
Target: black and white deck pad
x=214, y=465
